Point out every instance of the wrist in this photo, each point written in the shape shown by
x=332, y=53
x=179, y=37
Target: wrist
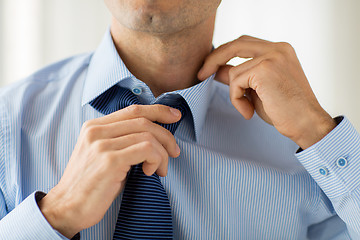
x=57, y=215
x=315, y=128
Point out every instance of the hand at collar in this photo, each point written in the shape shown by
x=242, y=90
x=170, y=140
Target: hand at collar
x=273, y=84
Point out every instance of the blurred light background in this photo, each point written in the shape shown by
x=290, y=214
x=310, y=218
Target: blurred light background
x=325, y=34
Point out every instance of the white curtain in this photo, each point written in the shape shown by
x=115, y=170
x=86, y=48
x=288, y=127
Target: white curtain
x=38, y=32
x=325, y=34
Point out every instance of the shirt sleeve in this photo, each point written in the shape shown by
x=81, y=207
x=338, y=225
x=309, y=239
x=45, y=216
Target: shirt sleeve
x=334, y=163
x=27, y=222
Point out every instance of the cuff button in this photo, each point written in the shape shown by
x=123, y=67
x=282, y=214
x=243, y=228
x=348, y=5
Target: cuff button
x=341, y=162
x=323, y=171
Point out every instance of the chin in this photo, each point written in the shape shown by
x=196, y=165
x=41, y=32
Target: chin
x=155, y=22
x=152, y=15
x=161, y=16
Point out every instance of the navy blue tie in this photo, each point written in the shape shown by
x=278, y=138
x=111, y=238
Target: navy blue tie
x=145, y=211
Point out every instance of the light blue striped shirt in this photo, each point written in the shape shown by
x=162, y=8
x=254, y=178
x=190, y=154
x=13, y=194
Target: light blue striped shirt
x=234, y=179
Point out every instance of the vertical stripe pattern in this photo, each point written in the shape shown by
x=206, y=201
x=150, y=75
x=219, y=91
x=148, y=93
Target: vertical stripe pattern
x=145, y=211
x=234, y=179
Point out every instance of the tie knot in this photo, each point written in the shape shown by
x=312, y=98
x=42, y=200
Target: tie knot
x=178, y=102
x=117, y=98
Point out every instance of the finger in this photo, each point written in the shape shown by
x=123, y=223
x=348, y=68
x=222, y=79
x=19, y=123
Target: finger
x=221, y=55
x=133, y=139
x=259, y=108
x=245, y=67
x=160, y=167
x=228, y=72
x=222, y=75
x=251, y=38
x=242, y=83
x=140, y=125
x=156, y=113
x=118, y=143
x=143, y=152
x=239, y=101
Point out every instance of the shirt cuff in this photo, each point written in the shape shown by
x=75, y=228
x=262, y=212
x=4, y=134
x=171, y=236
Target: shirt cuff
x=27, y=222
x=334, y=161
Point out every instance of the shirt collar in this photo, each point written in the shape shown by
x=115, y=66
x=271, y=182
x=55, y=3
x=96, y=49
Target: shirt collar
x=198, y=98
x=107, y=69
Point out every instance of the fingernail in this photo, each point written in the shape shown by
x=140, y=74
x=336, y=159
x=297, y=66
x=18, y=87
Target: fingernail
x=177, y=149
x=175, y=112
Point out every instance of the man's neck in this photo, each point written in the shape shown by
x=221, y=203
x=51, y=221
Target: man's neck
x=165, y=62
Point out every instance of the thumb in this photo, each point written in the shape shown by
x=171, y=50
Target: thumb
x=259, y=107
x=222, y=75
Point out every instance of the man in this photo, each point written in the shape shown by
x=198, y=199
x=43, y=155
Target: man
x=232, y=178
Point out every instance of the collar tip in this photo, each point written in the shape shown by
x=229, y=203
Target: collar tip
x=197, y=136
x=84, y=102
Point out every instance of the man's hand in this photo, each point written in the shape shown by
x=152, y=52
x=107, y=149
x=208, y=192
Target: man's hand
x=105, y=151
x=272, y=83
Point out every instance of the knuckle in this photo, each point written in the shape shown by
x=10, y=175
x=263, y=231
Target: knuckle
x=230, y=45
x=147, y=146
x=164, y=156
x=279, y=56
x=147, y=136
x=159, y=108
x=265, y=64
x=100, y=146
x=91, y=133
x=253, y=83
x=156, y=155
x=232, y=96
x=108, y=160
x=227, y=47
x=87, y=124
x=122, y=165
x=162, y=109
x=169, y=138
x=244, y=37
x=112, y=158
x=233, y=100
x=158, y=158
x=134, y=110
x=285, y=46
x=223, y=46
x=143, y=122
x=232, y=73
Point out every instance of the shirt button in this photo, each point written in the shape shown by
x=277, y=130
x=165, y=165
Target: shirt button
x=323, y=171
x=137, y=90
x=341, y=162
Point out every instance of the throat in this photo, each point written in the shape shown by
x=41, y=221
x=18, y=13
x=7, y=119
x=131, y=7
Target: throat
x=164, y=62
